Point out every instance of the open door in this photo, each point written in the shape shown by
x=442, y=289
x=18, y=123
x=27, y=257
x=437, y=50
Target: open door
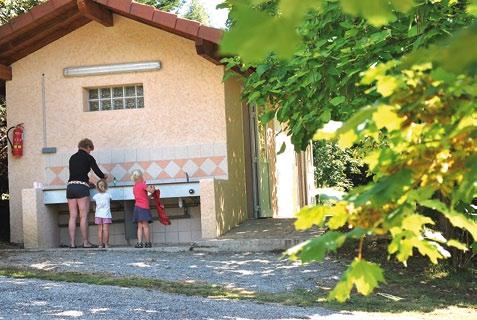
x=260, y=168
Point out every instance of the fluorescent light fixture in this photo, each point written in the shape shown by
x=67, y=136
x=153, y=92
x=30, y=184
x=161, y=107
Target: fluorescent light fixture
x=111, y=69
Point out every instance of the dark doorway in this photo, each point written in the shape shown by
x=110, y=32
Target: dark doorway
x=4, y=205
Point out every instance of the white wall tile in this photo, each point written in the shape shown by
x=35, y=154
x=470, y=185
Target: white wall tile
x=65, y=159
x=56, y=160
x=143, y=155
x=117, y=155
x=196, y=235
x=116, y=229
x=195, y=224
x=156, y=154
x=220, y=149
x=130, y=155
x=102, y=156
x=172, y=237
x=183, y=225
x=185, y=236
x=173, y=227
x=168, y=153
x=206, y=150
x=158, y=227
x=158, y=237
x=118, y=240
x=181, y=152
x=193, y=151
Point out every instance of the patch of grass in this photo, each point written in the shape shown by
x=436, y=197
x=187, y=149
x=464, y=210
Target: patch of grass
x=420, y=287
x=418, y=293
x=188, y=288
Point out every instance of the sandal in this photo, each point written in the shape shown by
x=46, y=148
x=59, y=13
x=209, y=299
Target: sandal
x=72, y=247
x=138, y=245
x=148, y=245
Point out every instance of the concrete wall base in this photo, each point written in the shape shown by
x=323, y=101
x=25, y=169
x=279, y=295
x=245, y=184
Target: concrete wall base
x=40, y=223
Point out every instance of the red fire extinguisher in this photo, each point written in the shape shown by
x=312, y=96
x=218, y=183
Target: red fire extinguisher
x=17, y=144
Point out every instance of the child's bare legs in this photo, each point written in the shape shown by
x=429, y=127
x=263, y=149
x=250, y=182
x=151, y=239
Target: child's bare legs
x=145, y=225
x=100, y=234
x=106, y=234
x=139, y=231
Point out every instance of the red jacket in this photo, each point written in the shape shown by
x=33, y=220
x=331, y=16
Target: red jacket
x=163, y=218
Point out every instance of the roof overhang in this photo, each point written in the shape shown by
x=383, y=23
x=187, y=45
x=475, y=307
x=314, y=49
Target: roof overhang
x=49, y=21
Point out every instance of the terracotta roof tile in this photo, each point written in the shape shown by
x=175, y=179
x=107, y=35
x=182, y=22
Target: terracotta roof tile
x=187, y=26
x=44, y=16
x=165, y=19
x=142, y=11
x=210, y=34
x=123, y=6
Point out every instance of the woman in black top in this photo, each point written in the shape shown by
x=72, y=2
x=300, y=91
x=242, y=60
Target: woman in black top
x=77, y=190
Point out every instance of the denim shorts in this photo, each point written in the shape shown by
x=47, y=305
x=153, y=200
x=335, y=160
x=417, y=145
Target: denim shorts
x=76, y=191
x=141, y=214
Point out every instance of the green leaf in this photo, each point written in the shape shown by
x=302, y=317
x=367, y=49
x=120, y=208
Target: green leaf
x=386, y=117
x=339, y=215
x=456, y=219
x=474, y=247
x=267, y=116
x=337, y=100
x=373, y=73
x=298, y=8
x=415, y=222
x=467, y=188
x=317, y=248
x=326, y=116
x=403, y=5
x=458, y=245
x=283, y=147
x=387, y=189
x=386, y=85
x=472, y=7
x=404, y=242
x=238, y=40
x=377, y=12
x=366, y=276
x=309, y=216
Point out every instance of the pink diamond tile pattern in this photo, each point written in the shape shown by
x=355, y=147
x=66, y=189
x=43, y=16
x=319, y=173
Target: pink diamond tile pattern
x=153, y=170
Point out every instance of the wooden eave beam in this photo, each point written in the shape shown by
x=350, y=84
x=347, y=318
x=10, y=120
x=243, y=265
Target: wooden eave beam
x=15, y=50
x=5, y=73
x=94, y=11
x=208, y=50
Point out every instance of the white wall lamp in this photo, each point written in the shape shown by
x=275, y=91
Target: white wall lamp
x=111, y=69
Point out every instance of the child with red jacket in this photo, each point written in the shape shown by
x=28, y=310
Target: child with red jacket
x=142, y=213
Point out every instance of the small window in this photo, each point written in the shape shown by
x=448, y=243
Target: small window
x=115, y=98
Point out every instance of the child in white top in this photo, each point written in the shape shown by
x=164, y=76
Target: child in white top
x=102, y=215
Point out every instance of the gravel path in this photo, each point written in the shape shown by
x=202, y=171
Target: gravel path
x=37, y=299
x=262, y=272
